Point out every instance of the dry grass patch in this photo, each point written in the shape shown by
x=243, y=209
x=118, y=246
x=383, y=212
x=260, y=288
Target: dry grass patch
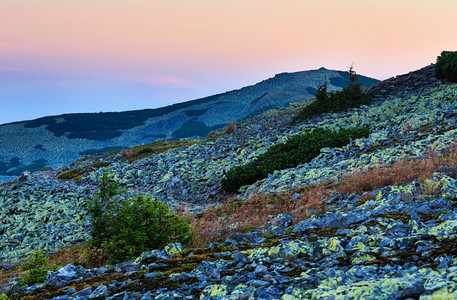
x=401, y=172
x=75, y=255
x=7, y=275
x=138, y=152
x=236, y=215
x=230, y=128
x=77, y=173
x=88, y=257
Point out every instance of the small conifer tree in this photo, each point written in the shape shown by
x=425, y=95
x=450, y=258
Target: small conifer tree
x=321, y=95
x=125, y=230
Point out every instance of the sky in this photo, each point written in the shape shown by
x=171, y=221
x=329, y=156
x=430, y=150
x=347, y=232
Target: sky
x=67, y=56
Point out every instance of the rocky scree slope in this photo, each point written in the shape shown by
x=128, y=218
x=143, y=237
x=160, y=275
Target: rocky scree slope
x=399, y=243
x=56, y=141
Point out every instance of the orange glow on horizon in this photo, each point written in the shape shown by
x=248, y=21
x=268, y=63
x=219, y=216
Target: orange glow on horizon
x=382, y=37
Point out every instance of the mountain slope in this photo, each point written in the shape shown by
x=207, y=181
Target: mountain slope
x=58, y=140
x=374, y=219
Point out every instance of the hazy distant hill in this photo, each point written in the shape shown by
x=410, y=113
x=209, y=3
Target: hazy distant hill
x=55, y=141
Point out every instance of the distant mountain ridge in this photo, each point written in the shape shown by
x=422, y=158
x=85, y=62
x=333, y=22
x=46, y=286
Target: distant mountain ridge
x=54, y=141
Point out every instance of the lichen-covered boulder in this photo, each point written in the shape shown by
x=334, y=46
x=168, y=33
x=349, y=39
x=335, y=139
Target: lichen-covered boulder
x=64, y=275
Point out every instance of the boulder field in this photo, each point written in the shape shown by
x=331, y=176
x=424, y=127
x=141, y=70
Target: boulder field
x=394, y=241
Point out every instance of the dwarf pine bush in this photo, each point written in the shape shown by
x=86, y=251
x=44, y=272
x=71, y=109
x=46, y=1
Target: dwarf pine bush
x=446, y=66
x=34, y=265
x=124, y=231
x=296, y=150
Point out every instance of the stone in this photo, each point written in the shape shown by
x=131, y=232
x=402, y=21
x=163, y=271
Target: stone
x=278, y=224
x=172, y=249
x=84, y=292
x=238, y=239
x=64, y=275
x=99, y=293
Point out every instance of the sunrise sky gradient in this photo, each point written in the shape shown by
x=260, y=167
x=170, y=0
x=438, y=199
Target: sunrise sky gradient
x=62, y=56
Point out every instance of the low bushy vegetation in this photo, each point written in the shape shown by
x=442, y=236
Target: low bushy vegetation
x=296, y=150
x=446, y=66
x=351, y=96
x=34, y=265
x=122, y=231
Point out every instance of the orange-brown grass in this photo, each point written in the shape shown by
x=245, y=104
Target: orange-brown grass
x=85, y=255
x=215, y=225
x=231, y=128
x=431, y=189
x=6, y=276
x=365, y=198
x=401, y=172
x=138, y=152
x=74, y=254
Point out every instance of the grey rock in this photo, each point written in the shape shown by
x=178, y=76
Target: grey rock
x=413, y=292
x=149, y=257
x=260, y=271
x=84, y=292
x=99, y=293
x=278, y=224
x=64, y=275
x=239, y=239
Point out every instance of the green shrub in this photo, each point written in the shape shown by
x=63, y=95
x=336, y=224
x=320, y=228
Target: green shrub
x=34, y=261
x=140, y=224
x=446, y=66
x=296, y=150
x=35, y=276
x=3, y=297
x=350, y=97
x=34, y=265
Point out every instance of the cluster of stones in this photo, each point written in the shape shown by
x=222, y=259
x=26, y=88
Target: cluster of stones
x=388, y=248
x=41, y=214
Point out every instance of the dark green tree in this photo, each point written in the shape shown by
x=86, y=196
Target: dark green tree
x=446, y=66
x=322, y=94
